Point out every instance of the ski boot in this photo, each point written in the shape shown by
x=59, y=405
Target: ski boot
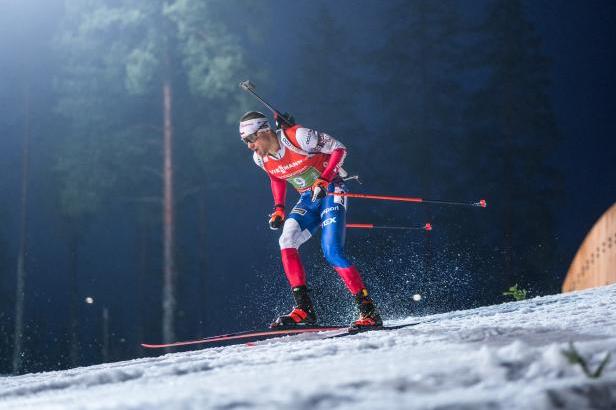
x=369, y=316
x=301, y=315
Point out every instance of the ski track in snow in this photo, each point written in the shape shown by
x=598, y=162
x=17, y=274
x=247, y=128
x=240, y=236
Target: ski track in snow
x=505, y=356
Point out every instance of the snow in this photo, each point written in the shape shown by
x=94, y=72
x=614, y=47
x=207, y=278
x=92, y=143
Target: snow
x=507, y=356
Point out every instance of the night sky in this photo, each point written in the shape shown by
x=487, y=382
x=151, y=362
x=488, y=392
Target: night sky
x=230, y=276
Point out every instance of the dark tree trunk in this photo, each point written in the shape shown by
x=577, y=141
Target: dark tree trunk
x=74, y=299
x=202, y=259
x=141, y=279
x=169, y=272
x=23, y=242
x=427, y=134
x=105, y=335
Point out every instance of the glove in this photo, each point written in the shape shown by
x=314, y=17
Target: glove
x=319, y=189
x=277, y=218
x=284, y=121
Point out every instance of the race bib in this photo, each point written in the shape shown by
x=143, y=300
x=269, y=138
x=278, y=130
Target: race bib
x=305, y=179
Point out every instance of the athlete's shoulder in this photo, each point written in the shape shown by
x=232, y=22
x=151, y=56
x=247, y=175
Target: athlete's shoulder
x=305, y=138
x=288, y=134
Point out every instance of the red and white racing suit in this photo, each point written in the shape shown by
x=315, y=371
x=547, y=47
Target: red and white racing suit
x=304, y=156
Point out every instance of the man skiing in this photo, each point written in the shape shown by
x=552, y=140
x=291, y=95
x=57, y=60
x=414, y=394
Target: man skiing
x=310, y=161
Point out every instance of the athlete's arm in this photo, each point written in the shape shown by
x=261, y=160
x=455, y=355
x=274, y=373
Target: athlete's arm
x=314, y=142
x=279, y=190
x=279, y=186
x=335, y=162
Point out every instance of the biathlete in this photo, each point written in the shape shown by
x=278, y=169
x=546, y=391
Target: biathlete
x=311, y=162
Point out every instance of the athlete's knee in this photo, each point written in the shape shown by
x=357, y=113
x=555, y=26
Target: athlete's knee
x=335, y=255
x=292, y=235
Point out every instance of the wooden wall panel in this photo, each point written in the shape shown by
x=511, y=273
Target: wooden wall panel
x=595, y=262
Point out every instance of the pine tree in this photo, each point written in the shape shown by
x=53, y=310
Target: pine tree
x=126, y=61
x=512, y=135
x=18, y=66
x=418, y=83
x=7, y=303
x=418, y=86
x=323, y=88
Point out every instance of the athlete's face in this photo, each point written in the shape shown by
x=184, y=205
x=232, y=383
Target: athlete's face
x=264, y=143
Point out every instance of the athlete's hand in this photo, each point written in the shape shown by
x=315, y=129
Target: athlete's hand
x=284, y=121
x=277, y=218
x=319, y=189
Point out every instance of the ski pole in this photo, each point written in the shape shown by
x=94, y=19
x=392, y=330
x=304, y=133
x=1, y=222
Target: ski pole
x=482, y=202
x=250, y=88
x=426, y=227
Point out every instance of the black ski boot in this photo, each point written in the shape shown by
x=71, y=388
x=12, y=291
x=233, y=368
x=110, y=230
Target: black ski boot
x=369, y=316
x=301, y=315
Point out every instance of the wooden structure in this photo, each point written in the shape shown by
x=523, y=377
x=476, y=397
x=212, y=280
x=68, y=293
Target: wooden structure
x=595, y=262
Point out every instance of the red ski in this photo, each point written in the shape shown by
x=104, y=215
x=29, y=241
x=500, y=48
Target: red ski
x=249, y=336
x=259, y=335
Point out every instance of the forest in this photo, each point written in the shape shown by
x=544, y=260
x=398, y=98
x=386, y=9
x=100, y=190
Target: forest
x=132, y=211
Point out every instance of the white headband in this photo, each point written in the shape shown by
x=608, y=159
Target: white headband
x=251, y=126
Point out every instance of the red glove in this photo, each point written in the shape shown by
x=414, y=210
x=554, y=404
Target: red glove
x=277, y=218
x=319, y=189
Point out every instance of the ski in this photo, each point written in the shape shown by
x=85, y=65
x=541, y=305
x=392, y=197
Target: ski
x=260, y=335
x=247, y=336
x=350, y=331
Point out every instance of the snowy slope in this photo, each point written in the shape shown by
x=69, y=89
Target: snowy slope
x=498, y=357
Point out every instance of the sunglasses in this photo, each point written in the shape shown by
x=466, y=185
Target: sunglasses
x=253, y=137
x=250, y=138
